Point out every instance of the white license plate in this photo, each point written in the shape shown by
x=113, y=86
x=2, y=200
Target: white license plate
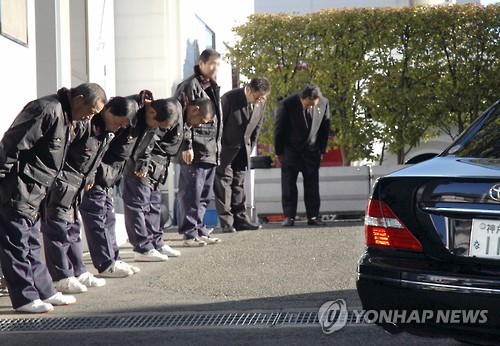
x=485, y=238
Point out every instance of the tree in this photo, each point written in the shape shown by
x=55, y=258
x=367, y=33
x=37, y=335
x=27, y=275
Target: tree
x=396, y=75
x=343, y=40
x=267, y=47
x=466, y=50
x=401, y=91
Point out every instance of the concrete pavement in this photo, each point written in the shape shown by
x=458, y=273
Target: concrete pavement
x=273, y=269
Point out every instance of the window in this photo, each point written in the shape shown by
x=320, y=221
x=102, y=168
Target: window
x=483, y=140
x=14, y=20
x=206, y=36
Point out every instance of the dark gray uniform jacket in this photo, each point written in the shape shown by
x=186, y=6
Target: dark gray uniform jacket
x=165, y=144
x=32, y=152
x=124, y=145
x=205, y=140
x=84, y=156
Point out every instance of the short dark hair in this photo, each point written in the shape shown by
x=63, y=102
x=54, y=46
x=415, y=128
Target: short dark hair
x=91, y=93
x=167, y=110
x=311, y=91
x=260, y=84
x=205, y=105
x=209, y=53
x=122, y=107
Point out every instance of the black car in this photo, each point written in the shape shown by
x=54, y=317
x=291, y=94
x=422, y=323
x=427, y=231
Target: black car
x=433, y=241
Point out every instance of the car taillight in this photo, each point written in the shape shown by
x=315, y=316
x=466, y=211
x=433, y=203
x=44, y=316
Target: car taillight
x=383, y=229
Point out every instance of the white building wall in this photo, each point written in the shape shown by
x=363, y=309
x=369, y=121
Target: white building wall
x=17, y=72
x=45, y=64
x=144, y=49
x=158, y=45
x=193, y=41
x=194, y=14
x=53, y=57
x=75, y=42
x=78, y=42
x=101, y=44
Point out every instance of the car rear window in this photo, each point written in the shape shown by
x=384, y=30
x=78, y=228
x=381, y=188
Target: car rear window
x=483, y=141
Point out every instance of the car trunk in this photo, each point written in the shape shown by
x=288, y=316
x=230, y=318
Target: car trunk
x=453, y=209
x=462, y=213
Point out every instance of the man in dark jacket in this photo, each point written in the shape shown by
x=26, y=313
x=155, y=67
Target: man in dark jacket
x=243, y=114
x=200, y=153
x=32, y=154
x=301, y=134
x=141, y=194
x=59, y=223
x=97, y=209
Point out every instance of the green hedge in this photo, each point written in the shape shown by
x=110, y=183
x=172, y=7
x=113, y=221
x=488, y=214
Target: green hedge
x=395, y=75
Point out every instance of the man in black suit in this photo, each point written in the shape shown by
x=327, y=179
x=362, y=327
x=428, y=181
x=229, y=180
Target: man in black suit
x=243, y=114
x=301, y=134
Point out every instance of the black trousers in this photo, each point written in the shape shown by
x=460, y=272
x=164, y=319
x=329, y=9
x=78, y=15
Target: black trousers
x=63, y=248
x=26, y=275
x=307, y=163
x=142, y=215
x=195, y=192
x=229, y=188
x=98, y=216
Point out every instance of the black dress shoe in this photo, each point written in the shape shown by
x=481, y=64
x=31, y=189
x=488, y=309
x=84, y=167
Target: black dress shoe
x=288, y=222
x=315, y=222
x=248, y=227
x=228, y=229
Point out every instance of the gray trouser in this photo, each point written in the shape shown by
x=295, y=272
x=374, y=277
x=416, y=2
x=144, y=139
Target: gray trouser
x=142, y=215
x=63, y=248
x=230, y=196
x=195, y=192
x=26, y=275
x=98, y=216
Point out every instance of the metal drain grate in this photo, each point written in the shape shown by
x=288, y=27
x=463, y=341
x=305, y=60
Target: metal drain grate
x=308, y=318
